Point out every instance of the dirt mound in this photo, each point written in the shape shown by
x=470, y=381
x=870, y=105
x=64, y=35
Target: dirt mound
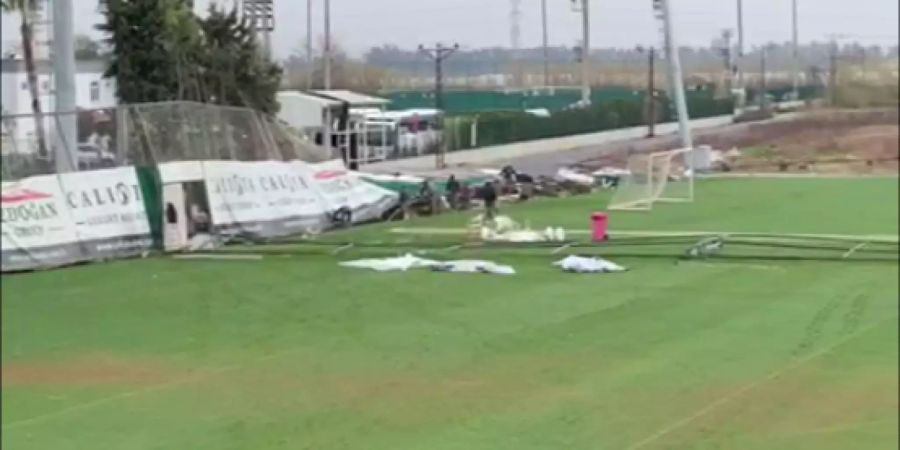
x=825, y=149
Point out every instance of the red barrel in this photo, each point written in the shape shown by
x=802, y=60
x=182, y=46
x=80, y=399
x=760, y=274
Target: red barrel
x=599, y=223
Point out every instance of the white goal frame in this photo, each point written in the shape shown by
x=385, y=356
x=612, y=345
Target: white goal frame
x=658, y=170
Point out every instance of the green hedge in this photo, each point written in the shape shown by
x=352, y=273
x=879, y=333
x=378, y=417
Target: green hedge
x=504, y=127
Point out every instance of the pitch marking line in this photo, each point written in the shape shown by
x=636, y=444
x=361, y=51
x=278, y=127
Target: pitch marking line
x=854, y=249
x=727, y=398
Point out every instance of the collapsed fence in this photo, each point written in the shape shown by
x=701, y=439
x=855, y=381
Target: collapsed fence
x=146, y=134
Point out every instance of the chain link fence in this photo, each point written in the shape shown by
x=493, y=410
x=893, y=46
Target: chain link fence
x=147, y=134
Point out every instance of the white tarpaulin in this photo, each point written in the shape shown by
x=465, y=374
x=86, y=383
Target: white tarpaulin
x=408, y=261
x=397, y=264
x=474, y=266
x=581, y=264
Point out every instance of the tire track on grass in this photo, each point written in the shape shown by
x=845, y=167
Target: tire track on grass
x=749, y=387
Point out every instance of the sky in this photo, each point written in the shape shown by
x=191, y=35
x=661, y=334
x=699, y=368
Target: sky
x=360, y=24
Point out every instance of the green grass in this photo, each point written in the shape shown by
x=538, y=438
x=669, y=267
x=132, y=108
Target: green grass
x=296, y=353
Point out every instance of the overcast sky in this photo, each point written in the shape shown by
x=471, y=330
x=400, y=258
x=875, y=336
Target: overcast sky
x=360, y=24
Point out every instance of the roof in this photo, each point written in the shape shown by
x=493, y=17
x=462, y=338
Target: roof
x=353, y=98
x=297, y=95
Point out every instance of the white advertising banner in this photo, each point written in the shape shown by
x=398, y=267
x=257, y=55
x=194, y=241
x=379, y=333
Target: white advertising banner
x=107, y=207
x=37, y=230
x=263, y=199
x=344, y=190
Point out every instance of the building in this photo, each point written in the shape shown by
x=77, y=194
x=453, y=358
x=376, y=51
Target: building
x=93, y=91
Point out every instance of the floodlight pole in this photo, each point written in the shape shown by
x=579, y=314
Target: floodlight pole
x=585, y=52
x=676, y=81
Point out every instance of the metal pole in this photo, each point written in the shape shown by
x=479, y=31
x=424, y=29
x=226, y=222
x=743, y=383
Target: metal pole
x=796, y=51
x=327, y=50
x=676, y=83
x=585, y=52
x=439, y=53
x=763, y=82
x=651, y=94
x=545, y=43
x=438, y=79
x=64, y=80
x=740, y=49
x=326, y=62
x=833, y=71
x=309, y=45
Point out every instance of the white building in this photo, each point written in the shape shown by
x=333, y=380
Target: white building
x=18, y=128
x=91, y=89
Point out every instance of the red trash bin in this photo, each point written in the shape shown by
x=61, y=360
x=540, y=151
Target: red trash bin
x=599, y=223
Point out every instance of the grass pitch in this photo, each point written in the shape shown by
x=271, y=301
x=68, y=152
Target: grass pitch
x=294, y=352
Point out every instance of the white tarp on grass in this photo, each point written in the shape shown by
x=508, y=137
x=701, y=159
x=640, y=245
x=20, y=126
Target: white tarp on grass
x=409, y=261
x=581, y=264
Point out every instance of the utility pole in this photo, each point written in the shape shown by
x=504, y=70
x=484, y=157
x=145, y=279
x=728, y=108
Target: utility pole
x=326, y=58
x=740, y=53
x=546, y=44
x=64, y=80
x=309, y=45
x=763, y=78
x=326, y=75
x=650, y=103
x=585, y=52
x=796, y=49
x=515, y=41
x=833, y=70
x=676, y=81
x=438, y=54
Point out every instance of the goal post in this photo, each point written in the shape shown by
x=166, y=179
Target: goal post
x=655, y=177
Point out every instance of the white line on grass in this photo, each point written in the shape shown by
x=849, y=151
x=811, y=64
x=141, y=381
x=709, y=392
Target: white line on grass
x=854, y=249
x=879, y=238
x=727, y=398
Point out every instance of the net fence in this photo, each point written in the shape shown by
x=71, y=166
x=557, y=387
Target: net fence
x=147, y=134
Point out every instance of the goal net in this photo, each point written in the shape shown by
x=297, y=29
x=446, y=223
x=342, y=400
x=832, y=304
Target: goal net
x=654, y=177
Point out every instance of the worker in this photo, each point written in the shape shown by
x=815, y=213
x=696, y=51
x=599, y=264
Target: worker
x=489, y=195
x=453, y=188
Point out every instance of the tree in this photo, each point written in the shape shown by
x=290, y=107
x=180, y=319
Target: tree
x=25, y=8
x=154, y=46
x=161, y=51
x=86, y=48
x=236, y=72
x=346, y=72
